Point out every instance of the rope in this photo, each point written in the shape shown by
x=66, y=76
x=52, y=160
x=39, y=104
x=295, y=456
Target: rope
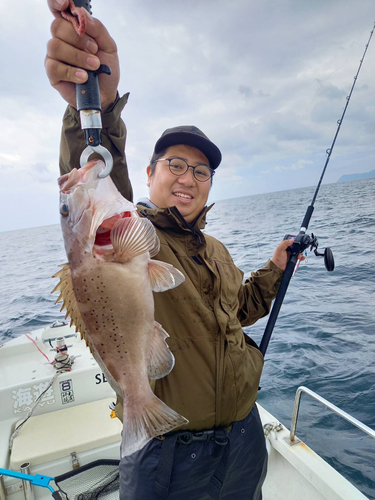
x=272, y=426
x=32, y=409
x=62, y=359
x=62, y=363
x=36, y=345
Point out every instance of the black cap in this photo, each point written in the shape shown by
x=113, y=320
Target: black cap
x=190, y=136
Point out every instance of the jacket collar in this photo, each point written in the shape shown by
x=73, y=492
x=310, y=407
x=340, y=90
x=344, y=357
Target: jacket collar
x=171, y=218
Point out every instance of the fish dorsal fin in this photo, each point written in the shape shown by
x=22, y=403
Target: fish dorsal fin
x=69, y=302
x=161, y=359
x=134, y=236
x=163, y=276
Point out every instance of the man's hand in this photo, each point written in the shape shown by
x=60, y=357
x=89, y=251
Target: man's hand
x=69, y=54
x=281, y=256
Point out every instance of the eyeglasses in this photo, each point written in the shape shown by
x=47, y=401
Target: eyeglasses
x=179, y=167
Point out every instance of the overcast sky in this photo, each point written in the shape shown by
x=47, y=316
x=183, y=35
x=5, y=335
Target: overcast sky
x=266, y=81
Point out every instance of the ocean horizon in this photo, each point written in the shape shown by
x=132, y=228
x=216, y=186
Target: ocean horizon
x=215, y=201
x=324, y=336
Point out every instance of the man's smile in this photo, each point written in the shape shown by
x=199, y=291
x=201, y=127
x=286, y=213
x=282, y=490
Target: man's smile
x=184, y=196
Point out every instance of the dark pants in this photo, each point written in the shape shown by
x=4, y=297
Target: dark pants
x=195, y=464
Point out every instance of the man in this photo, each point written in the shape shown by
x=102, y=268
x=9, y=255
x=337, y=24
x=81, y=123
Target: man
x=221, y=452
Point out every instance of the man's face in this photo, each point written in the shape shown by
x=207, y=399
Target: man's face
x=185, y=192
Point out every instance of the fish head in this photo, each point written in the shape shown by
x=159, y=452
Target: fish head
x=89, y=207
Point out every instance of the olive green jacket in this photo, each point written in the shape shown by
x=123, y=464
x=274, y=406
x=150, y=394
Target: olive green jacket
x=216, y=375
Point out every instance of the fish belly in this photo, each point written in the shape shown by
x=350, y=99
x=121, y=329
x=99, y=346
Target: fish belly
x=117, y=306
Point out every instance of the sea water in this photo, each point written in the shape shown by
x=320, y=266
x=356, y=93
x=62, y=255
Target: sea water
x=324, y=337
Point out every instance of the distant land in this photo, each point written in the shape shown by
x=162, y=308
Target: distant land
x=355, y=177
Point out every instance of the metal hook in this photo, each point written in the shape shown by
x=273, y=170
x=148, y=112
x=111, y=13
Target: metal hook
x=104, y=153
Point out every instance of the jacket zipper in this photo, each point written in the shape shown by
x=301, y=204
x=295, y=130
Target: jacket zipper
x=219, y=374
x=219, y=352
x=220, y=346
x=187, y=225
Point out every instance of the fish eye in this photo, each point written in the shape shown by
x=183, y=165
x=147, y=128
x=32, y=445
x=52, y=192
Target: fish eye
x=64, y=211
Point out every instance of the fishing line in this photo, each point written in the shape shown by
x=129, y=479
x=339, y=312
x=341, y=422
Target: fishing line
x=302, y=241
x=347, y=56
x=339, y=123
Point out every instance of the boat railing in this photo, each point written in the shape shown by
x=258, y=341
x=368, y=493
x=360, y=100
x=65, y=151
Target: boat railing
x=328, y=404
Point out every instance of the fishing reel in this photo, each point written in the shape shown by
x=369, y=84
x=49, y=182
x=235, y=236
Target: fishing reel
x=303, y=241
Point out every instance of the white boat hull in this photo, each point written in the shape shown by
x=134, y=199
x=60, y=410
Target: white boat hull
x=73, y=417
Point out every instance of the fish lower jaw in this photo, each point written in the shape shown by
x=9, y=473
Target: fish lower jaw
x=103, y=247
x=103, y=252
x=103, y=232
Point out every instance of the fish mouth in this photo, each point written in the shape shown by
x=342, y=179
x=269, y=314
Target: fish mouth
x=103, y=233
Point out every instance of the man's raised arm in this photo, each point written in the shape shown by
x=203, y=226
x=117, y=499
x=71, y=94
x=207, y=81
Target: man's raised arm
x=68, y=56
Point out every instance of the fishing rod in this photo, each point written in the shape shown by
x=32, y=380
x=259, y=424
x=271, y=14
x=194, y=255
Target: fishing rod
x=302, y=241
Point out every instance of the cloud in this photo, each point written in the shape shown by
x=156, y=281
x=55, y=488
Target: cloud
x=330, y=92
x=299, y=165
x=245, y=90
x=42, y=172
x=290, y=127
x=265, y=81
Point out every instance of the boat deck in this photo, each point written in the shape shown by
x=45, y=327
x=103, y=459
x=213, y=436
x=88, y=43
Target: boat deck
x=72, y=425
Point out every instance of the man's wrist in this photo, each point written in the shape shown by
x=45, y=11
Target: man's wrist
x=108, y=106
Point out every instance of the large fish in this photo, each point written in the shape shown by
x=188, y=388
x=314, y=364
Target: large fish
x=106, y=289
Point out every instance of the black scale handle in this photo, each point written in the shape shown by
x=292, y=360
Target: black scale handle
x=83, y=3
x=88, y=93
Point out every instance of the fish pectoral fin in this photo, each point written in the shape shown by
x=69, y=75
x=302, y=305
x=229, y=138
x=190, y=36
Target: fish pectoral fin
x=163, y=276
x=161, y=359
x=68, y=298
x=134, y=236
x=149, y=419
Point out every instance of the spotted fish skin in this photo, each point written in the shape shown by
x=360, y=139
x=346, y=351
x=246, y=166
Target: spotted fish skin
x=107, y=289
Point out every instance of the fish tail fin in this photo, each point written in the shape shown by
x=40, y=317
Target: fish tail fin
x=154, y=419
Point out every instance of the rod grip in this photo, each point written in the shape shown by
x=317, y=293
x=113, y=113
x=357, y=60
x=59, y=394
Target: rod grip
x=308, y=214
x=288, y=273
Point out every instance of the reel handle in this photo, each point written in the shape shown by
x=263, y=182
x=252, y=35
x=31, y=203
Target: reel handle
x=329, y=261
x=303, y=241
